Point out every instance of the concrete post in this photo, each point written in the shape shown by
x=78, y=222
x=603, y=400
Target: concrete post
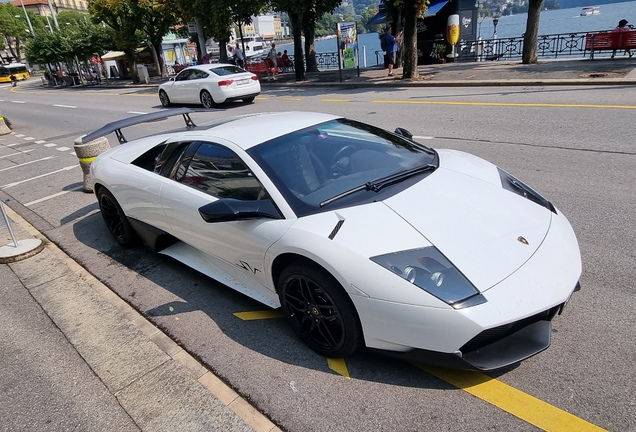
x=4, y=129
x=86, y=153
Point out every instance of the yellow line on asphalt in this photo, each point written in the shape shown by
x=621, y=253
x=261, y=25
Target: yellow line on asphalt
x=291, y=99
x=531, y=105
x=261, y=98
x=338, y=365
x=520, y=404
x=335, y=100
x=258, y=315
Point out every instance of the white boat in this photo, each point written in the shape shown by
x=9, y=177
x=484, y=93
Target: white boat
x=254, y=46
x=591, y=10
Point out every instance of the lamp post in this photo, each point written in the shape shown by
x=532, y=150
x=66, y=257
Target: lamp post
x=27, y=18
x=495, y=21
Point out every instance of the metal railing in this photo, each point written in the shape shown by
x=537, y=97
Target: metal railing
x=548, y=47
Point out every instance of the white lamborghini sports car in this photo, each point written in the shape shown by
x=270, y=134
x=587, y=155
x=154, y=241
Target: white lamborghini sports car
x=362, y=236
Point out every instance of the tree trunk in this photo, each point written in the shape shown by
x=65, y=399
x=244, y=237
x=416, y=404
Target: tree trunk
x=309, y=29
x=156, y=56
x=299, y=63
x=409, y=38
x=530, y=38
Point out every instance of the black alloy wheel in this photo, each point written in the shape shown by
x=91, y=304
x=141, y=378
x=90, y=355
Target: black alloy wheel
x=319, y=310
x=164, y=99
x=116, y=222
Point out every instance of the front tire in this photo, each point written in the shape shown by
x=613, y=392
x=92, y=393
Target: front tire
x=206, y=99
x=116, y=221
x=164, y=99
x=319, y=310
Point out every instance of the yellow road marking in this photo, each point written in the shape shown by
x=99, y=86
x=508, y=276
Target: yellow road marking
x=531, y=105
x=520, y=404
x=338, y=365
x=261, y=98
x=335, y=100
x=257, y=315
x=291, y=99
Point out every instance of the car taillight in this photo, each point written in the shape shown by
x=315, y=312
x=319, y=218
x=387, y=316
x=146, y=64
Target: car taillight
x=225, y=83
x=254, y=78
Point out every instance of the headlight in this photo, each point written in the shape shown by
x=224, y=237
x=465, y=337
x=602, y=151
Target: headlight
x=515, y=185
x=429, y=270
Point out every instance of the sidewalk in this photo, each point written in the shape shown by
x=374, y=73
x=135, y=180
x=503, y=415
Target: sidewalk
x=602, y=71
x=75, y=356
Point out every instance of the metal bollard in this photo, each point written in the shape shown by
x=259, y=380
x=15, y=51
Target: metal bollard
x=86, y=153
x=17, y=250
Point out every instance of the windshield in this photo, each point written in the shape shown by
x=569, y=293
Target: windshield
x=326, y=166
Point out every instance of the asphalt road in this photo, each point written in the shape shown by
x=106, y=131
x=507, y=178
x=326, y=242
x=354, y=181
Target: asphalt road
x=574, y=145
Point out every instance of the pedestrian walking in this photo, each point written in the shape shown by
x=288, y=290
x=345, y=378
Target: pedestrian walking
x=271, y=64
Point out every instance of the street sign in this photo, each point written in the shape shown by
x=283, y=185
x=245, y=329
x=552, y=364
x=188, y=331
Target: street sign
x=192, y=27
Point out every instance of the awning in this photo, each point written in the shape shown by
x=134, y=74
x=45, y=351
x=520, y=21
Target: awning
x=113, y=55
x=116, y=55
x=433, y=8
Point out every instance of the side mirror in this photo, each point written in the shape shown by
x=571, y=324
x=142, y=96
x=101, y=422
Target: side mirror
x=229, y=209
x=171, y=79
x=406, y=134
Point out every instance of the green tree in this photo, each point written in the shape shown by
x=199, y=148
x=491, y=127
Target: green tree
x=14, y=28
x=124, y=17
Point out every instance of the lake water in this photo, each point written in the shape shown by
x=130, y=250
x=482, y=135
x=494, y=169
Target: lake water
x=551, y=22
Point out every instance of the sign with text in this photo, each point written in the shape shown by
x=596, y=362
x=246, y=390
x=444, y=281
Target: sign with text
x=348, y=44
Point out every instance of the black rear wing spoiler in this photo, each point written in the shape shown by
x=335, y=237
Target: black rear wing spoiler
x=118, y=125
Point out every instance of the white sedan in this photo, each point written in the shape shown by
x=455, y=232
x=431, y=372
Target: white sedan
x=209, y=85
x=363, y=236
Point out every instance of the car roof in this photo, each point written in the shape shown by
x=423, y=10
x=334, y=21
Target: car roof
x=253, y=129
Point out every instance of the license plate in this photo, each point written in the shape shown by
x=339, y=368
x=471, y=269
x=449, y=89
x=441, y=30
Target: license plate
x=242, y=82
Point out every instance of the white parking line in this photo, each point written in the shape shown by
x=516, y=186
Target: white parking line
x=135, y=112
x=19, y=136
x=18, y=101
x=53, y=196
x=15, y=154
x=28, y=163
x=39, y=142
x=9, y=185
x=62, y=149
x=12, y=145
x=64, y=106
x=423, y=137
x=50, y=145
x=28, y=138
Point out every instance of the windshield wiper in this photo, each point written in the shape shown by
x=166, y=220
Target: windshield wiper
x=376, y=185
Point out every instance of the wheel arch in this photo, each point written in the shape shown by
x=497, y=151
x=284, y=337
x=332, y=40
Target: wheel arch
x=284, y=260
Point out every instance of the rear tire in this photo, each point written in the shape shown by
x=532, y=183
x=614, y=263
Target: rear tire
x=116, y=221
x=206, y=99
x=164, y=99
x=319, y=310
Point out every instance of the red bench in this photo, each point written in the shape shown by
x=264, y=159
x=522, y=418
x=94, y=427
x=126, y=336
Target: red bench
x=609, y=41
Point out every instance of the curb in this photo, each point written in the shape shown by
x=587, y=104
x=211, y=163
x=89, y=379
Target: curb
x=177, y=358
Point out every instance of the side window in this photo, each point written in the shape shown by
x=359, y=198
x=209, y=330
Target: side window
x=221, y=173
x=183, y=75
x=170, y=155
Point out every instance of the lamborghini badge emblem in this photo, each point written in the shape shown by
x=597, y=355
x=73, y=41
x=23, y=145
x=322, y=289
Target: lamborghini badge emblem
x=521, y=239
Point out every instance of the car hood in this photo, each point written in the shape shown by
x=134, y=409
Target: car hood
x=463, y=210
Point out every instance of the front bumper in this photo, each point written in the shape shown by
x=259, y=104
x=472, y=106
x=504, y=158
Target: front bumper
x=494, y=348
